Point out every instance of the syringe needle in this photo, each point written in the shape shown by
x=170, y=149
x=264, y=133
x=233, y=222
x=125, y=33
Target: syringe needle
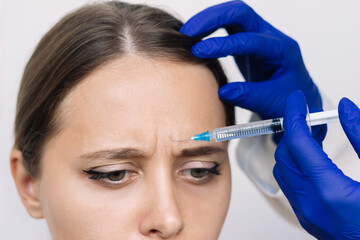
x=182, y=140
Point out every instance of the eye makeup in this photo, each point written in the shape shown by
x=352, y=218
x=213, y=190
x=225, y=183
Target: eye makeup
x=112, y=175
x=195, y=172
x=199, y=172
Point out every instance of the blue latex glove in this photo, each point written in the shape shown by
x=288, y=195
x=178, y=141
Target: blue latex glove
x=270, y=61
x=325, y=201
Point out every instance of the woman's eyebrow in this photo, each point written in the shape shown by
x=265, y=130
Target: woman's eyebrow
x=112, y=154
x=131, y=153
x=201, y=151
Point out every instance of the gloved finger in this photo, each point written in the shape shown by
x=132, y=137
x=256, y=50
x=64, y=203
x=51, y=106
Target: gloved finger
x=253, y=96
x=315, y=105
x=299, y=200
x=289, y=193
x=318, y=132
x=300, y=217
x=288, y=168
x=277, y=137
x=318, y=169
x=294, y=199
x=305, y=151
x=349, y=115
x=292, y=175
x=253, y=44
x=222, y=15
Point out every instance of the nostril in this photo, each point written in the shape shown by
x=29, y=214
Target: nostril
x=153, y=231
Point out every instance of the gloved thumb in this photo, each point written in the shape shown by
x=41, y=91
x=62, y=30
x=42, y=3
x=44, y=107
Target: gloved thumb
x=349, y=115
x=253, y=96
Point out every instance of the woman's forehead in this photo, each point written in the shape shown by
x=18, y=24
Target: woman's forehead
x=139, y=93
x=137, y=84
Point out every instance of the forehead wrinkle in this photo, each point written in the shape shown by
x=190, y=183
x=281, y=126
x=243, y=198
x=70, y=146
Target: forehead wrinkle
x=114, y=154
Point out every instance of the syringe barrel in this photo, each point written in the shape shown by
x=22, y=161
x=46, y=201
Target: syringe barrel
x=268, y=126
x=248, y=130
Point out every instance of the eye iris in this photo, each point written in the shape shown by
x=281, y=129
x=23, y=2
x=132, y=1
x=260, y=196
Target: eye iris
x=116, y=176
x=198, y=172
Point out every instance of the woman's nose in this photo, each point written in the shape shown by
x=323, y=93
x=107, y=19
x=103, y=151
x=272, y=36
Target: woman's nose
x=162, y=217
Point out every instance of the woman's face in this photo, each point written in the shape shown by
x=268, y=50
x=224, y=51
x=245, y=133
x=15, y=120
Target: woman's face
x=113, y=170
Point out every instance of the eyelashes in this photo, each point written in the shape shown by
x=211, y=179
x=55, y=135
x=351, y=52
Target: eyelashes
x=201, y=175
x=113, y=178
x=120, y=178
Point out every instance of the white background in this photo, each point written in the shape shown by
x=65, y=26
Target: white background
x=328, y=32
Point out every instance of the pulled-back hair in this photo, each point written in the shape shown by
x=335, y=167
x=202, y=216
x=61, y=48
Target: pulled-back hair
x=83, y=41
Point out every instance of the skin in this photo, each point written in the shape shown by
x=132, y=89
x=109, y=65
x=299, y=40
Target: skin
x=120, y=106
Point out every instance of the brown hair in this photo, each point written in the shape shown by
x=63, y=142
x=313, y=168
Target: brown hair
x=81, y=42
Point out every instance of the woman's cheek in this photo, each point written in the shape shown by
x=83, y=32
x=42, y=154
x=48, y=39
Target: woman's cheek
x=78, y=207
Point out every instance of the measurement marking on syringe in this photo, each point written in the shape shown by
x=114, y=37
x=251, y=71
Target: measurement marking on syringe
x=244, y=132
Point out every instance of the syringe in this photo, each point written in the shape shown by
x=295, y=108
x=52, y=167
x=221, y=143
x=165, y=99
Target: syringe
x=261, y=127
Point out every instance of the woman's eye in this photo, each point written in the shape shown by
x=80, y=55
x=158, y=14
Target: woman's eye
x=200, y=175
x=116, y=176
x=111, y=178
x=198, y=172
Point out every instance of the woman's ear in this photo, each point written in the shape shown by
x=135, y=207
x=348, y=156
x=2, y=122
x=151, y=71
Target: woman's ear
x=27, y=186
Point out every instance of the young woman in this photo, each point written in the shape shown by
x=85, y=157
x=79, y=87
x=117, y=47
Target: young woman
x=102, y=98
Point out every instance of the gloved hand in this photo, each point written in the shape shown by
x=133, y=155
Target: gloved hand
x=325, y=201
x=270, y=61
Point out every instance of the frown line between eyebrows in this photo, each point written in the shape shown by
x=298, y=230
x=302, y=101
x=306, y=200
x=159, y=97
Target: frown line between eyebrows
x=112, y=154
x=201, y=151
